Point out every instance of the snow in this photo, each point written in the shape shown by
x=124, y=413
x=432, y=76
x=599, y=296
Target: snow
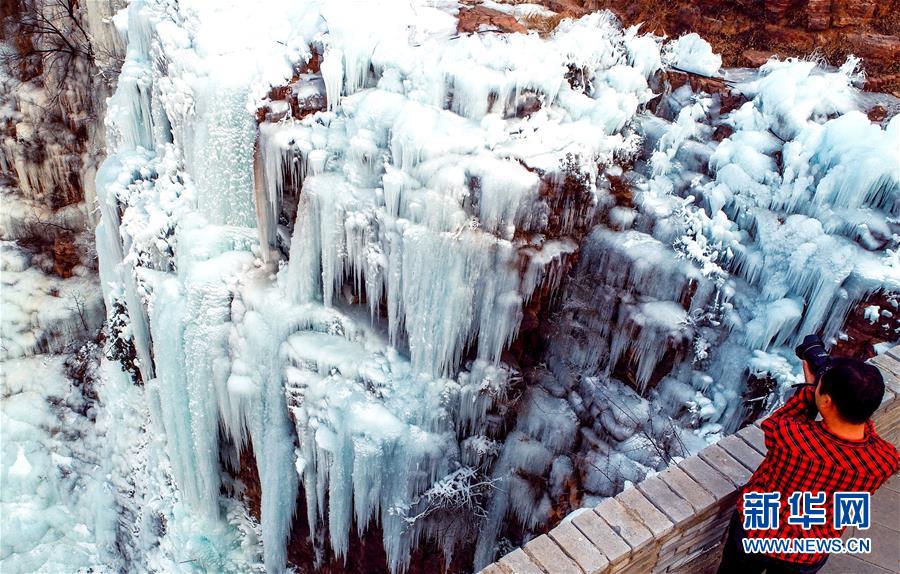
x=41, y=313
x=21, y=468
x=691, y=53
x=57, y=515
x=791, y=93
x=872, y=313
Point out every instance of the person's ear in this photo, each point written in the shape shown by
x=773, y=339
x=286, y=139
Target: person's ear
x=825, y=403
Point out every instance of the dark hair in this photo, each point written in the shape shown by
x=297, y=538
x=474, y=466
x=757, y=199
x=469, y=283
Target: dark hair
x=855, y=387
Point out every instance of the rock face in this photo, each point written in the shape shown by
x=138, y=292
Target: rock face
x=54, y=88
x=747, y=31
x=479, y=17
x=871, y=321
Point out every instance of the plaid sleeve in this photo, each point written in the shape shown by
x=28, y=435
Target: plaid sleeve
x=799, y=408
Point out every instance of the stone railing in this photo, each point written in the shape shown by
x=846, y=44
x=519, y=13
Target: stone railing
x=677, y=520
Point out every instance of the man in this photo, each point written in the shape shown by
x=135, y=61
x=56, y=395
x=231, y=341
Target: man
x=839, y=453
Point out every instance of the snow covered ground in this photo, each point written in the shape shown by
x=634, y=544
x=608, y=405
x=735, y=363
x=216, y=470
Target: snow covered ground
x=57, y=511
x=58, y=514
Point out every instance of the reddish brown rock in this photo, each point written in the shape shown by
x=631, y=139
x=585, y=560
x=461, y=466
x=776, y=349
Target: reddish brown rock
x=801, y=41
x=853, y=13
x=818, y=14
x=884, y=83
x=723, y=131
x=474, y=19
x=65, y=255
x=776, y=9
x=574, y=7
x=304, y=95
x=879, y=47
x=877, y=114
x=747, y=32
x=862, y=333
x=755, y=58
x=678, y=78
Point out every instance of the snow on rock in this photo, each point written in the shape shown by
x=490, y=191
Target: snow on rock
x=691, y=53
x=872, y=313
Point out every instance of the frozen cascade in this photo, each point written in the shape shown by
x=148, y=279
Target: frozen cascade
x=656, y=287
x=387, y=240
x=545, y=429
x=185, y=421
x=221, y=155
x=193, y=363
x=261, y=414
x=116, y=274
x=351, y=443
x=349, y=284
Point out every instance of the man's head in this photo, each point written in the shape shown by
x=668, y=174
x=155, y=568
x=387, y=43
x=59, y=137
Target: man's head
x=851, y=390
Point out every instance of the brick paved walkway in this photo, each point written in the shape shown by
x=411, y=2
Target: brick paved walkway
x=885, y=535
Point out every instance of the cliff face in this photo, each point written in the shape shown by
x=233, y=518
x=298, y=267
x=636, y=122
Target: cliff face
x=59, y=65
x=747, y=32
x=59, y=502
x=53, y=57
x=445, y=281
x=427, y=283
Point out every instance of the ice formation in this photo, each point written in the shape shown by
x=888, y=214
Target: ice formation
x=56, y=514
x=428, y=213
x=692, y=53
x=431, y=281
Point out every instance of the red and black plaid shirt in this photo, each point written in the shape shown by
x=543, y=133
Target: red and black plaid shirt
x=804, y=456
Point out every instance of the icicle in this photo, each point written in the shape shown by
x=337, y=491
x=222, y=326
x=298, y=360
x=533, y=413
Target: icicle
x=130, y=107
x=775, y=324
x=190, y=424
x=332, y=68
x=649, y=329
x=634, y=261
x=507, y=192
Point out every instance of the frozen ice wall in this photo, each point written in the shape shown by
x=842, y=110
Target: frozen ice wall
x=86, y=482
x=425, y=276
x=741, y=213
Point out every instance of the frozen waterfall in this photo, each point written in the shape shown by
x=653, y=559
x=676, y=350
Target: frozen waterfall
x=423, y=275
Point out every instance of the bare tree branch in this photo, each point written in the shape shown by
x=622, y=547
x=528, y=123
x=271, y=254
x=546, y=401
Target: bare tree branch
x=52, y=33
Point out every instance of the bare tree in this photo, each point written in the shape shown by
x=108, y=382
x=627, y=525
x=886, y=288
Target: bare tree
x=50, y=38
x=79, y=308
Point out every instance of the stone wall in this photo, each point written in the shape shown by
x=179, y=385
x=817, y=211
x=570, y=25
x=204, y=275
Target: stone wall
x=677, y=520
